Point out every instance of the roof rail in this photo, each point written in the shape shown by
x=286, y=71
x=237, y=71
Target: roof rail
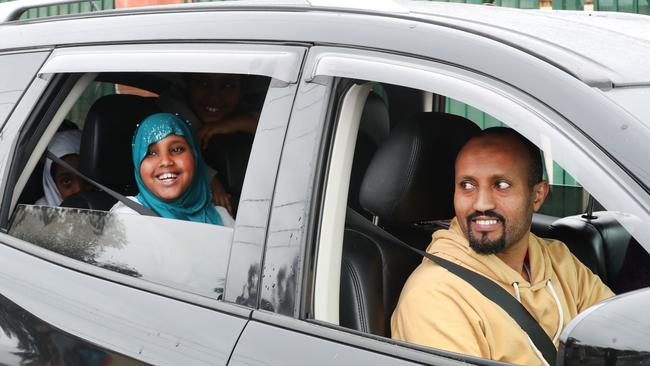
x=388, y=6
x=12, y=10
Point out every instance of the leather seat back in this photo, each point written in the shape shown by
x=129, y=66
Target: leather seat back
x=410, y=179
x=106, y=146
x=599, y=243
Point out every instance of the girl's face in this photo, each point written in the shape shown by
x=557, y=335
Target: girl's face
x=214, y=97
x=168, y=168
x=66, y=182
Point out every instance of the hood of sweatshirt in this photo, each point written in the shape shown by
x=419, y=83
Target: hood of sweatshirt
x=451, y=244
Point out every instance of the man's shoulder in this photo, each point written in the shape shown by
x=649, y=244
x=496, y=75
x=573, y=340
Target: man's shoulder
x=555, y=248
x=433, y=280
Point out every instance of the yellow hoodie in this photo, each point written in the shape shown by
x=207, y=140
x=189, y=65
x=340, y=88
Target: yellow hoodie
x=440, y=310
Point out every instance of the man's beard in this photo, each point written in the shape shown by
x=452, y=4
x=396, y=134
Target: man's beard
x=483, y=245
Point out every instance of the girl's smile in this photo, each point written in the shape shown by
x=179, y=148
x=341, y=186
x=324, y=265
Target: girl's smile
x=168, y=168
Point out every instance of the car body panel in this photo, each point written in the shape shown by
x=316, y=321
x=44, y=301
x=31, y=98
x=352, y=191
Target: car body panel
x=283, y=265
x=152, y=328
x=272, y=339
x=245, y=270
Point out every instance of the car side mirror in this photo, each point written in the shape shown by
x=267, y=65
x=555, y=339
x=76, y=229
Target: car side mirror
x=613, y=332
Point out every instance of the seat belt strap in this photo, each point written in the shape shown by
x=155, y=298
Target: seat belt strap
x=502, y=298
x=142, y=210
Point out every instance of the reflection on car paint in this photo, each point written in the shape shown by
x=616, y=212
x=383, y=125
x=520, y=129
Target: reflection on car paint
x=611, y=333
x=26, y=339
x=186, y=255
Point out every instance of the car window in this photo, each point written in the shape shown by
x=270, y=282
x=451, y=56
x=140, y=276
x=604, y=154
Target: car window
x=358, y=211
x=98, y=129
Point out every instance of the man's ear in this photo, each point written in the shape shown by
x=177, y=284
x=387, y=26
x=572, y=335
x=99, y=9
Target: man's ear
x=540, y=191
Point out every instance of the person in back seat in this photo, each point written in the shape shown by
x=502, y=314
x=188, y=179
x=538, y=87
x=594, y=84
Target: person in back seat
x=58, y=182
x=215, y=107
x=170, y=173
x=498, y=180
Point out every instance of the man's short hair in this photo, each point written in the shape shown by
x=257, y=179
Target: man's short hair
x=534, y=156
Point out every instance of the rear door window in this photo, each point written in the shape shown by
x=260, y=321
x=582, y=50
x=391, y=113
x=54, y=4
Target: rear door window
x=234, y=103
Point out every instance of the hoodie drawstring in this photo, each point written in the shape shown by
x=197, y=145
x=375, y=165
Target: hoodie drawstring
x=516, y=286
x=549, y=286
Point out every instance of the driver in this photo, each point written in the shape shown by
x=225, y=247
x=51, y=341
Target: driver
x=499, y=185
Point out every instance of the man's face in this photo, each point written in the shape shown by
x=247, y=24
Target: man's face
x=493, y=200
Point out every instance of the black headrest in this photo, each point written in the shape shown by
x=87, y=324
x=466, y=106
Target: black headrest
x=375, y=122
x=373, y=130
x=411, y=177
x=106, y=139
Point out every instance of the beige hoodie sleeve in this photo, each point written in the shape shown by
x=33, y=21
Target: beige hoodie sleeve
x=430, y=315
x=591, y=289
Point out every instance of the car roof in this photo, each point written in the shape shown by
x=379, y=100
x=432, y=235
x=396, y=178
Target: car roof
x=600, y=48
x=594, y=45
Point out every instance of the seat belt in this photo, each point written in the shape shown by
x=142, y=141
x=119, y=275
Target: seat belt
x=507, y=302
x=501, y=297
x=137, y=207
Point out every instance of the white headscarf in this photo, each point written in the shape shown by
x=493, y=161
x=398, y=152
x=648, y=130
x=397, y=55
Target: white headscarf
x=64, y=143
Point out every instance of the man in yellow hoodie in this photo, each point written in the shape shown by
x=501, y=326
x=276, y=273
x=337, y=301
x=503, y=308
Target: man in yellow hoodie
x=499, y=185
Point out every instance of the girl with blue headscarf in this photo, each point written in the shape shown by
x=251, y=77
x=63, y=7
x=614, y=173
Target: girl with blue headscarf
x=170, y=173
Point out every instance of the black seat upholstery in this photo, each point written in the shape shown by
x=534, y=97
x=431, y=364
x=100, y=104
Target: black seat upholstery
x=106, y=147
x=228, y=155
x=410, y=179
x=373, y=130
x=600, y=243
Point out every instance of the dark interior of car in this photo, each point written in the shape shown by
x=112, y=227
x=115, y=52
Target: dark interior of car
x=107, y=130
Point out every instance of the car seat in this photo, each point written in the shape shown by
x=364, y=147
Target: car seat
x=409, y=180
x=599, y=242
x=374, y=127
x=106, y=148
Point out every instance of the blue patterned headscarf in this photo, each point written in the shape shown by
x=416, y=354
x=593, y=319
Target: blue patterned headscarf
x=195, y=204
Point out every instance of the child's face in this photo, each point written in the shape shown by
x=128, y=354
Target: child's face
x=168, y=168
x=214, y=97
x=66, y=182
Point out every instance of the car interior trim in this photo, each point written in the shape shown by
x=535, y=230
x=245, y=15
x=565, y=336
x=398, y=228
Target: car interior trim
x=330, y=244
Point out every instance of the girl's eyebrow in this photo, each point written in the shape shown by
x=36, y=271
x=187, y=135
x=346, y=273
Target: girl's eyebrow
x=177, y=139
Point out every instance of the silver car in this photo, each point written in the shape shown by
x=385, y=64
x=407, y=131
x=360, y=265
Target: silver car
x=333, y=175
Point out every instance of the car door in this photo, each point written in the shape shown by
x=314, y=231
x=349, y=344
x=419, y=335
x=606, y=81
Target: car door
x=299, y=320
x=283, y=331
x=133, y=289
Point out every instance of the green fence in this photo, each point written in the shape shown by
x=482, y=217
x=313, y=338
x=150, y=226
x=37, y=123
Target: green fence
x=626, y=6
x=65, y=9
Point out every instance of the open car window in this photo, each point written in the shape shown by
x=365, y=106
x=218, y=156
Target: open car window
x=367, y=202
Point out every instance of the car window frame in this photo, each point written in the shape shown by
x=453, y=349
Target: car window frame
x=274, y=117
